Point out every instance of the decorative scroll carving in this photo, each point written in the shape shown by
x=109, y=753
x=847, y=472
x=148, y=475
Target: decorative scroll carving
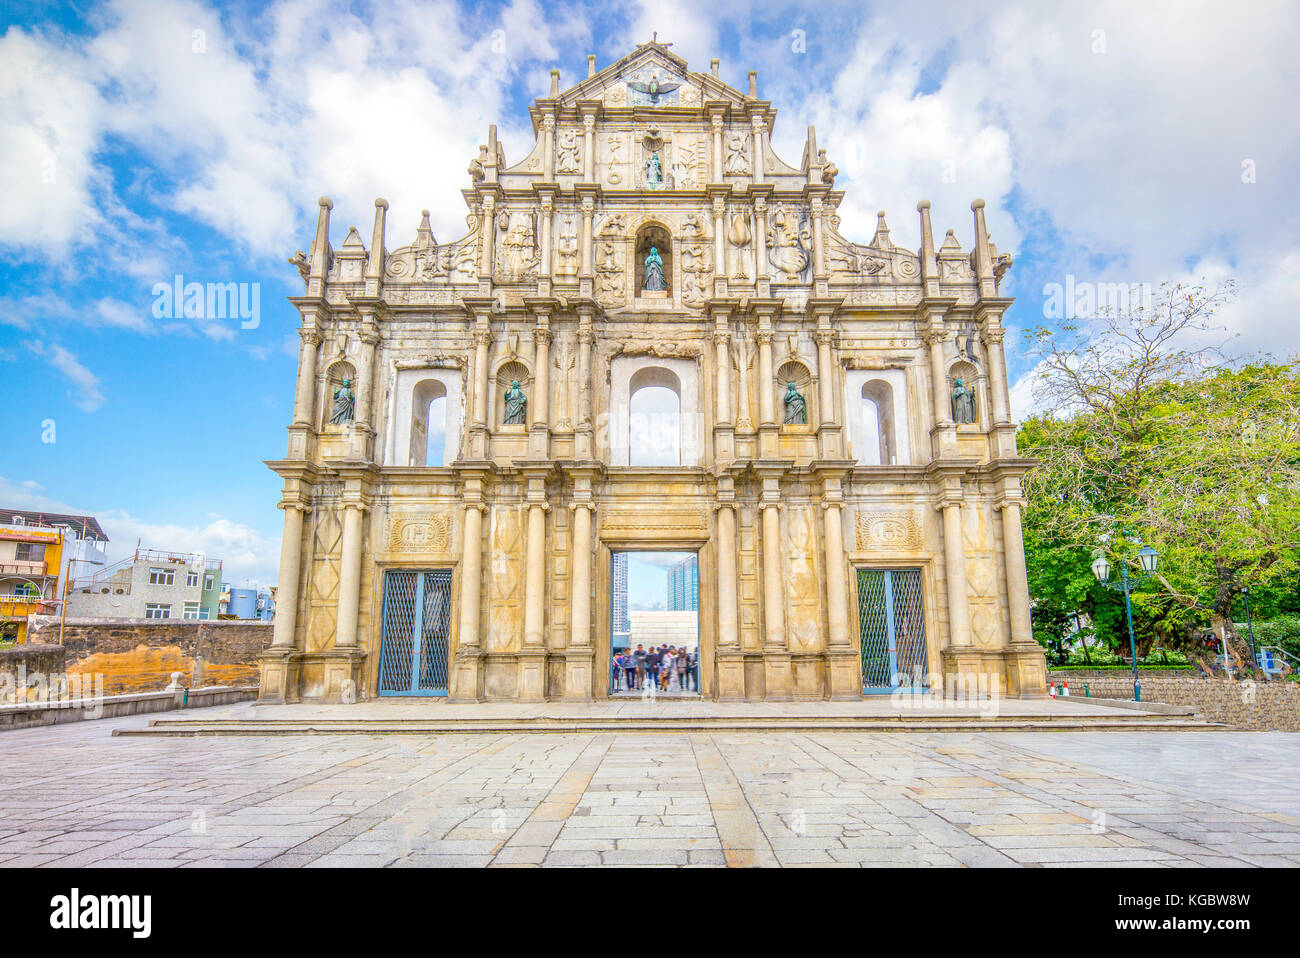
x=896, y=532
x=424, y=533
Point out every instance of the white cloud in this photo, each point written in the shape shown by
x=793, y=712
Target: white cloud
x=244, y=552
x=85, y=392
x=50, y=123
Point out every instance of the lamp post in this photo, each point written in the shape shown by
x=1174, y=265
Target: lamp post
x=1148, y=558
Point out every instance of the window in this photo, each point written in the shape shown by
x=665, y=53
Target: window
x=155, y=610
x=207, y=583
x=162, y=577
x=30, y=552
x=654, y=418
x=429, y=424
x=26, y=589
x=191, y=579
x=203, y=613
x=191, y=610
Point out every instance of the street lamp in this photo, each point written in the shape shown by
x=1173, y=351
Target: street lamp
x=1148, y=558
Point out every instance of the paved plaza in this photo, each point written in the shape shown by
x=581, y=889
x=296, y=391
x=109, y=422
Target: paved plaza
x=75, y=795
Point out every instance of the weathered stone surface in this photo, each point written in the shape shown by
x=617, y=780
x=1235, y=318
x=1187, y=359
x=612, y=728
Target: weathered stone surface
x=139, y=655
x=548, y=289
x=1248, y=704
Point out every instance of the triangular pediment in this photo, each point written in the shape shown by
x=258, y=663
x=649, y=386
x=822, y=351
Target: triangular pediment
x=651, y=75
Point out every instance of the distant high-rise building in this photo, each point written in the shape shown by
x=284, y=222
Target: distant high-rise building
x=622, y=627
x=684, y=586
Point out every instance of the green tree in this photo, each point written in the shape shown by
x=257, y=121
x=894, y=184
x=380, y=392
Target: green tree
x=1149, y=440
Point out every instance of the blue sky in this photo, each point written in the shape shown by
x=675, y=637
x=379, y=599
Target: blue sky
x=145, y=140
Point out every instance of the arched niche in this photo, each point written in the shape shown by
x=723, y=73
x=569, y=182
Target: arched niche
x=654, y=417
x=654, y=235
x=795, y=371
x=877, y=416
x=424, y=402
x=509, y=372
x=973, y=379
x=634, y=374
x=335, y=373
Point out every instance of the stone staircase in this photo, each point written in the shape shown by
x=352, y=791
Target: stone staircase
x=679, y=720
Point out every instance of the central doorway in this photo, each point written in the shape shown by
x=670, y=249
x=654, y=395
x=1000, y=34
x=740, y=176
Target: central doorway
x=654, y=634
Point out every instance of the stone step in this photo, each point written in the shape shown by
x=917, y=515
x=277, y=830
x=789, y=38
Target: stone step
x=547, y=724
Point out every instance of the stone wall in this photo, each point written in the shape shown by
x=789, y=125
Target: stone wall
x=139, y=655
x=30, y=657
x=1262, y=706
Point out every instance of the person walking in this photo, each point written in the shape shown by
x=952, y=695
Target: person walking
x=652, y=660
x=683, y=669
x=629, y=670
x=639, y=657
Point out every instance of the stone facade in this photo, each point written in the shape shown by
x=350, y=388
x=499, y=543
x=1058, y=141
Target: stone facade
x=554, y=288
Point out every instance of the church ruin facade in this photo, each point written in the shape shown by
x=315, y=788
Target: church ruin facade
x=832, y=433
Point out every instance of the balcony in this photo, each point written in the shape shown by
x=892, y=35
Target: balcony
x=31, y=569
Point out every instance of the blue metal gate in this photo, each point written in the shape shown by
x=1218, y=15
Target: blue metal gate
x=891, y=622
x=417, y=622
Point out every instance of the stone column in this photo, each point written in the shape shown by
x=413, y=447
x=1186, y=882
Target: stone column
x=761, y=279
x=532, y=658
x=730, y=659
x=826, y=383
x=768, y=427
x=304, y=400
x=547, y=204
x=945, y=443
x=588, y=211
x=818, y=209
x=487, y=237
x=1013, y=545
x=480, y=394
x=535, y=575
x=716, y=120
x=585, y=427
x=992, y=338
x=466, y=675
x=776, y=656
x=843, y=670
x=758, y=125
x=1024, y=663
x=538, y=440
x=954, y=554
x=1004, y=431
x=722, y=348
x=719, y=245
x=766, y=401
x=589, y=149
x=349, y=575
x=579, y=657
x=286, y=613
x=548, y=148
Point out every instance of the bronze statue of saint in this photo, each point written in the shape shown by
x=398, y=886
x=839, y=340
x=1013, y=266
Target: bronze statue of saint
x=516, y=402
x=345, y=403
x=796, y=409
x=963, y=404
x=654, y=271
